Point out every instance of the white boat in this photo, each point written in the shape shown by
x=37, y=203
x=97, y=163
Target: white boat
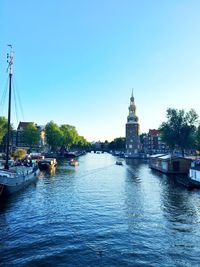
x=194, y=174
x=14, y=178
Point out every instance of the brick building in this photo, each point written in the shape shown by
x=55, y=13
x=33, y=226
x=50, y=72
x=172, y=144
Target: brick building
x=152, y=142
x=132, y=131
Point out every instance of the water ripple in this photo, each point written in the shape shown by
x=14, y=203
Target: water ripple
x=101, y=214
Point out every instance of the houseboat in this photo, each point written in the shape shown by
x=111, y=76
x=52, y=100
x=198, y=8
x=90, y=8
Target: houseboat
x=194, y=174
x=170, y=164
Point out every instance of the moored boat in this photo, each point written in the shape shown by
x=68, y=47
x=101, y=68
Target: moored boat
x=194, y=174
x=47, y=164
x=14, y=178
x=119, y=162
x=169, y=164
x=74, y=162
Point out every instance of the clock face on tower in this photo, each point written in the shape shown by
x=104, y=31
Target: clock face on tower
x=132, y=118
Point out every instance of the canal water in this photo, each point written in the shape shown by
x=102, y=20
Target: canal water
x=101, y=214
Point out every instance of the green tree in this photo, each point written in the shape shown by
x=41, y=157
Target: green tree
x=3, y=128
x=143, y=136
x=81, y=142
x=19, y=153
x=70, y=135
x=197, y=138
x=179, y=129
x=31, y=135
x=54, y=135
x=118, y=143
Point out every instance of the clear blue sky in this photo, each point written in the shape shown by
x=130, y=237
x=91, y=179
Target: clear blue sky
x=76, y=61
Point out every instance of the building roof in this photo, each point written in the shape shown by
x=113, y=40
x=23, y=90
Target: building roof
x=172, y=157
x=22, y=125
x=154, y=132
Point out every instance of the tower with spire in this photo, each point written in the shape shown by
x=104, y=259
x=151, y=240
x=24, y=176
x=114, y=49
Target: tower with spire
x=132, y=131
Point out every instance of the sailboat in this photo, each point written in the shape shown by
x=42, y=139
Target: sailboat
x=14, y=178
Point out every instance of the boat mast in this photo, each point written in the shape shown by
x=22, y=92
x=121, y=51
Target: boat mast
x=10, y=63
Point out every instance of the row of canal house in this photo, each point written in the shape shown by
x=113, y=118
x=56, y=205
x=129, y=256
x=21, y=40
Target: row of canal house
x=152, y=143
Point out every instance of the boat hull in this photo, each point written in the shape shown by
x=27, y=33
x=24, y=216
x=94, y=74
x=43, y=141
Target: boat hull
x=46, y=167
x=47, y=164
x=194, y=174
x=193, y=183
x=8, y=188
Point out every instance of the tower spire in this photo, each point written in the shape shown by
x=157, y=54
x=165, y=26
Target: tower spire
x=132, y=118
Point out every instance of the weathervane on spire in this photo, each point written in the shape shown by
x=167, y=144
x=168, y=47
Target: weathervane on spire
x=132, y=97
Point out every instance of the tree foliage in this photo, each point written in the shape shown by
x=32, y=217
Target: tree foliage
x=81, y=142
x=64, y=137
x=31, y=135
x=3, y=128
x=19, y=154
x=142, y=138
x=4, y=131
x=54, y=135
x=70, y=135
x=179, y=129
x=118, y=143
x=197, y=138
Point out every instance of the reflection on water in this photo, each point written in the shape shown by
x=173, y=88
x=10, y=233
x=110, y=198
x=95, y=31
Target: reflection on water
x=101, y=214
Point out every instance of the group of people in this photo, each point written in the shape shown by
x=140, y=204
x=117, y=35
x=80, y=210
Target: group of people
x=24, y=162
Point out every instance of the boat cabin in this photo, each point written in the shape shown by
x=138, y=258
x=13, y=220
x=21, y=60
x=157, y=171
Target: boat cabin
x=119, y=162
x=11, y=163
